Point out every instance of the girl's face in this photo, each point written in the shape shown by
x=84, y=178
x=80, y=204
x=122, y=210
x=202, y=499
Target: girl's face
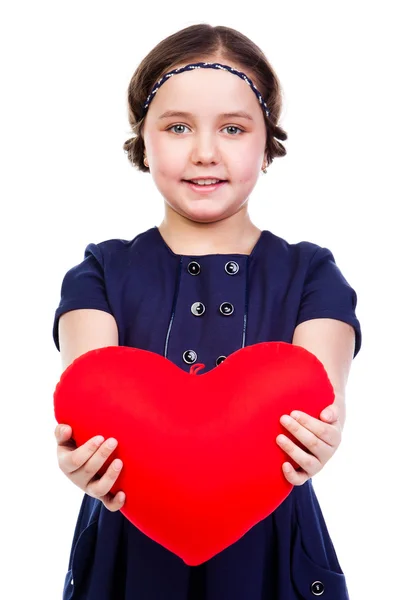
x=205, y=142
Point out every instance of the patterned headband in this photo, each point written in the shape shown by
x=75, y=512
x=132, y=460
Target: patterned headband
x=204, y=65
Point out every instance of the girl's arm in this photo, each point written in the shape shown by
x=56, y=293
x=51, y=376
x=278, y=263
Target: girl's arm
x=332, y=342
x=85, y=329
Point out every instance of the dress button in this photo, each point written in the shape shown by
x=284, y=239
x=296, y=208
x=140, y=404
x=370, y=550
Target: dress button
x=226, y=308
x=189, y=356
x=219, y=360
x=193, y=268
x=232, y=267
x=317, y=588
x=198, y=309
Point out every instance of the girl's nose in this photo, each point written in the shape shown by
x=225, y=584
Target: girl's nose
x=205, y=148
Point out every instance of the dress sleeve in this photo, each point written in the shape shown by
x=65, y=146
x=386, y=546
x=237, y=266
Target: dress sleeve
x=327, y=294
x=83, y=286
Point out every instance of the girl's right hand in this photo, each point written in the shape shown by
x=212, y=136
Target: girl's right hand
x=81, y=464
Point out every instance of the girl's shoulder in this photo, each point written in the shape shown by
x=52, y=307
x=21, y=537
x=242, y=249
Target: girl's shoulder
x=115, y=249
x=283, y=246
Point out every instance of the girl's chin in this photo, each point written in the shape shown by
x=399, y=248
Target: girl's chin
x=204, y=214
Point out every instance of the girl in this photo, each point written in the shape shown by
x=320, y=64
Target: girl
x=204, y=106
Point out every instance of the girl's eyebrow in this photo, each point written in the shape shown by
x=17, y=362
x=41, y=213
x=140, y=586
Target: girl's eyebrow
x=177, y=113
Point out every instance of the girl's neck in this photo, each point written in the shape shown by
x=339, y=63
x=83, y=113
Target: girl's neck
x=210, y=238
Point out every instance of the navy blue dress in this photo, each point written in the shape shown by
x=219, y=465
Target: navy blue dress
x=201, y=309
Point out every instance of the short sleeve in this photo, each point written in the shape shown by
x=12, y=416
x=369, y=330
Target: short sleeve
x=83, y=286
x=327, y=294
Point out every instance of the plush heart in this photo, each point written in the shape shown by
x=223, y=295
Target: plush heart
x=201, y=461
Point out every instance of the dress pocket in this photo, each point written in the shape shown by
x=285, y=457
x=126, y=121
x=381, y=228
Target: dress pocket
x=68, y=591
x=311, y=580
x=77, y=575
x=314, y=534
x=315, y=567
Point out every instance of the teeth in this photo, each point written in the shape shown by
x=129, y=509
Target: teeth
x=205, y=181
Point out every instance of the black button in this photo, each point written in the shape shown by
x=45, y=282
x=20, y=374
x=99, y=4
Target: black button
x=189, y=357
x=317, y=588
x=226, y=308
x=232, y=267
x=198, y=309
x=219, y=360
x=194, y=268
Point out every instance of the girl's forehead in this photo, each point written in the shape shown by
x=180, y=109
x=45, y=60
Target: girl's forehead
x=201, y=87
x=217, y=78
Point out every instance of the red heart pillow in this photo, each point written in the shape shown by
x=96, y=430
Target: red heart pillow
x=201, y=462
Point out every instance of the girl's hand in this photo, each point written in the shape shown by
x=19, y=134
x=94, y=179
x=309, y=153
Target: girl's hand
x=81, y=464
x=322, y=439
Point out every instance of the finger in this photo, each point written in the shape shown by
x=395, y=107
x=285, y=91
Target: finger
x=330, y=414
x=72, y=461
x=102, y=486
x=114, y=503
x=304, y=425
x=102, y=454
x=61, y=432
x=310, y=442
x=308, y=462
x=294, y=477
x=65, y=441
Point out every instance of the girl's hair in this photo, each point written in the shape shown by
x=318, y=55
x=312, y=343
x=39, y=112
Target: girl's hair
x=204, y=43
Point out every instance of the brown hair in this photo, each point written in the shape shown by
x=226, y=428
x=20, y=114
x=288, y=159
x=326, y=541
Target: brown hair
x=197, y=43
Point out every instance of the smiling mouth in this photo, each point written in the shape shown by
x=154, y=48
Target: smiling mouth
x=192, y=181
x=209, y=187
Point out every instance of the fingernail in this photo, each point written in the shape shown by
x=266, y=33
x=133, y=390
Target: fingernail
x=62, y=430
x=111, y=443
x=328, y=415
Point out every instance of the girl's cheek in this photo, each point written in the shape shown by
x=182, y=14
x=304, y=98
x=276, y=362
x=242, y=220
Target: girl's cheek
x=245, y=171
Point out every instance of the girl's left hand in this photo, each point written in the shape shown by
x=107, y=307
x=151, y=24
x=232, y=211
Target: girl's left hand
x=321, y=438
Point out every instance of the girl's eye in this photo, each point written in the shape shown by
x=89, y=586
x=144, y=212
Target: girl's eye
x=234, y=127
x=227, y=127
x=173, y=126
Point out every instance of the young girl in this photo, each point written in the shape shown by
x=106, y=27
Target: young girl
x=204, y=106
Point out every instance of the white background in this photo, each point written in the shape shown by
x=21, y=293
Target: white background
x=66, y=182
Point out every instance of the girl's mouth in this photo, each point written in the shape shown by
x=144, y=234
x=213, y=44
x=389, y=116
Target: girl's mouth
x=205, y=188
